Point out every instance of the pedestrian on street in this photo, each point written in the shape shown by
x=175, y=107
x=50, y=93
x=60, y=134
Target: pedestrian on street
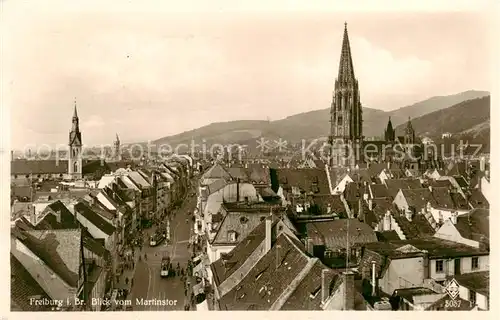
x=126, y=281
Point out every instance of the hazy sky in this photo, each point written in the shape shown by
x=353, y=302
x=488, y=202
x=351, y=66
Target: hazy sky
x=152, y=73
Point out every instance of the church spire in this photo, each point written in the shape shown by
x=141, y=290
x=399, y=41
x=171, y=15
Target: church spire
x=75, y=114
x=346, y=69
x=117, y=138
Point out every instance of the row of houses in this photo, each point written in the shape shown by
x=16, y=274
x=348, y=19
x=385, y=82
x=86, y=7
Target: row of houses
x=71, y=243
x=274, y=237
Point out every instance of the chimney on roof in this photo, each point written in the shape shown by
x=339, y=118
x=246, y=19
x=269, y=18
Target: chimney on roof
x=374, y=279
x=32, y=214
x=408, y=214
x=12, y=155
x=238, y=190
x=454, y=217
x=349, y=291
x=482, y=164
x=268, y=239
x=425, y=255
x=325, y=287
x=310, y=246
x=58, y=216
x=387, y=221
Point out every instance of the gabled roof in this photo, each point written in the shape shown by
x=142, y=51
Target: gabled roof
x=394, y=185
x=441, y=199
x=217, y=185
x=475, y=281
x=21, y=192
x=474, y=225
x=139, y=179
x=280, y=270
x=50, y=221
x=258, y=174
x=418, y=227
x=379, y=191
x=417, y=198
x=94, y=218
x=59, y=249
x=334, y=234
x=231, y=262
x=93, y=245
x=240, y=222
x=333, y=202
x=217, y=171
x=23, y=167
x=238, y=173
x=461, y=181
x=435, y=247
x=440, y=183
x=23, y=287
x=307, y=180
x=477, y=199
x=106, y=180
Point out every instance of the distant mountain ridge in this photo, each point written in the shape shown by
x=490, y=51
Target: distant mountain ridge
x=471, y=117
x=314, y=124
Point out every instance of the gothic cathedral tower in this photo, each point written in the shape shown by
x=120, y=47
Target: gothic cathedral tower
x=346, y=131
x=75, y=149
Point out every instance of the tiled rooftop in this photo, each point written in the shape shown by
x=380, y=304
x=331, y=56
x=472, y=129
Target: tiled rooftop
x=59, y=249
x=83, y=209
x=476, y=281
x=474, y=225
x=226, y=266
x=268, y=279
x=437, y=248
x=307, y=295
x=333, y=234
x=393, y=185
x=23, y=287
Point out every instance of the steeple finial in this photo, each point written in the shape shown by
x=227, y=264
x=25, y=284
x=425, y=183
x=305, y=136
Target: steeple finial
x=346, y=69
x=75, y=114
x=117, y=139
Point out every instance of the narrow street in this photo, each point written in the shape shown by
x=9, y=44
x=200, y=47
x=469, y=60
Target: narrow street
x=147, y=281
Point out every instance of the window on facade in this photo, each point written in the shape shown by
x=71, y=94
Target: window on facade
x=27, y=176
x=232, y=236
x=75, y=167
x=475, y=263
x=472, y=297
x=439, y=266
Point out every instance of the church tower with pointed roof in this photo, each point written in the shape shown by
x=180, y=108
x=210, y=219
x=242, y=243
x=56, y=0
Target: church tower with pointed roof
x=409, y=133
x=116, y=152
x=75, y=161
x=390, y=133
x=346, y=130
